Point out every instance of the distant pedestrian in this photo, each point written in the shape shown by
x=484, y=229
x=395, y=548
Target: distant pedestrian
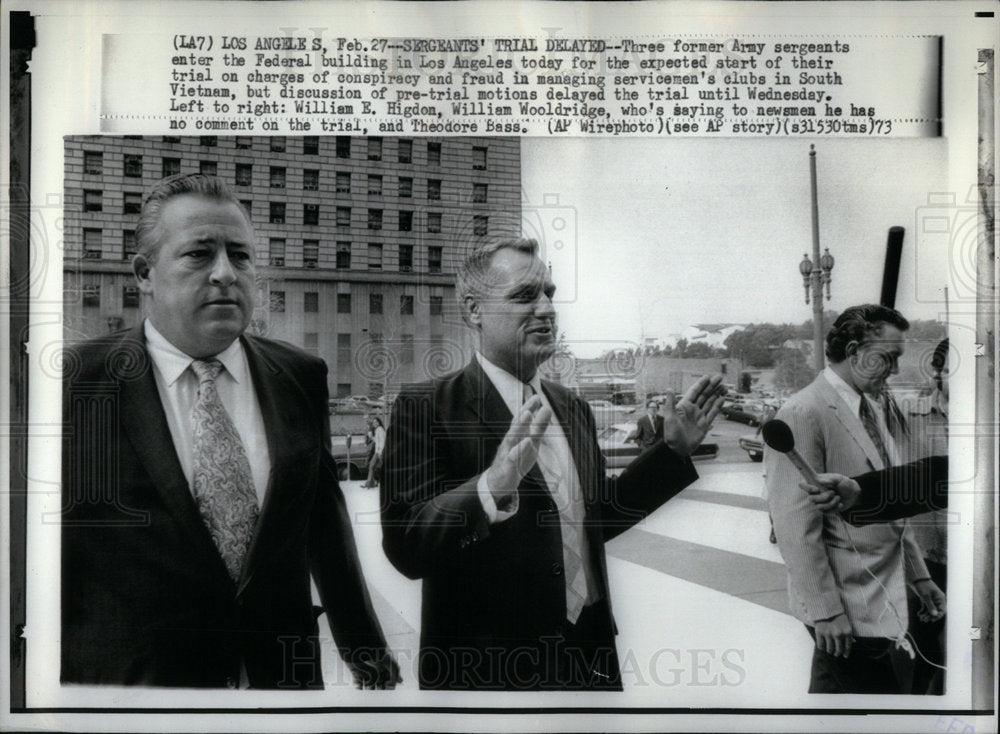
x=649, y=428
x=375, y=461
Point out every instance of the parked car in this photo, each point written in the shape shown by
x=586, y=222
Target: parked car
x=352, y=463
x=750, y=412
x=753, y=444
x=619, y=452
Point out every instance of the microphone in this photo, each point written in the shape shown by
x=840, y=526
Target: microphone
x=779, y=437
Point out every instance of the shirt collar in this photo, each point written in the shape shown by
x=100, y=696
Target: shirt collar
x=510, y=388
x=172, y=362
x=849, y=395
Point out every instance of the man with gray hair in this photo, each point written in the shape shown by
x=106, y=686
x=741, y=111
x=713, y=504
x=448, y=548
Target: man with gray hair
x=495, y=494
x=199, y=494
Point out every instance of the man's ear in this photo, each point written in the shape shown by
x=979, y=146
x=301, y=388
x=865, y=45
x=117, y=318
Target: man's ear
x=140, y=268
x=471, y=311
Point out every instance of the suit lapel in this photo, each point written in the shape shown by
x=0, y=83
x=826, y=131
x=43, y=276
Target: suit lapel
x=279, y=397
x=851, y=423
x=484, y=402
x=145, y=428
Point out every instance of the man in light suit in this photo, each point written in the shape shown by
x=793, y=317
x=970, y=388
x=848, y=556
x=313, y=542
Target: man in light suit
x=199, y=492
x=495, y=494
x=649, y=428
x=847, y=583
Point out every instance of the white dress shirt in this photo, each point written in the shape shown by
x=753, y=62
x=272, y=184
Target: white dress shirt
x=555, y=460
x=853, y=399
x=178, y=389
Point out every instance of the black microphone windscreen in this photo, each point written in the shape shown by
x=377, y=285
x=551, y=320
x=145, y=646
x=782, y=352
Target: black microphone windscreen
x=778, y=436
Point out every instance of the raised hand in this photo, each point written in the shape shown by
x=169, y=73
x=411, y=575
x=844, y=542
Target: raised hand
x=686, y=424
x=518, y=450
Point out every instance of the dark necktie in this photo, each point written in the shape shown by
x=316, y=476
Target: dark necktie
x=874, y=432
x=223, y=484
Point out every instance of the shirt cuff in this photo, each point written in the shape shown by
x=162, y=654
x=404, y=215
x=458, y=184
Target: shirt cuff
x=493, y=513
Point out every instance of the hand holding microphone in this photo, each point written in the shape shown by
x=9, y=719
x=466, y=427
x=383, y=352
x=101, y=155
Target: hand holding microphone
x=827, y=491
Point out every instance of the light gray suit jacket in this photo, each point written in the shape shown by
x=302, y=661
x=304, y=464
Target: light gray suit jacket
x=834, y=567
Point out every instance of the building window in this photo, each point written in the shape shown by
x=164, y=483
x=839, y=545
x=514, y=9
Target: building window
x=376, y=389
x=244, y=174
x=479, y=159
x=405, y=151
x=405, y=221
x=310, y=254
x=244, y=142
x=480, y=225
x=343, y=303
x=276, y=252
x=344, y=388
x=129, y=244
x=343, y=255
x=93, y=200
x=478, y=193
x=343, y=146
x=436, y=305
x=310, y=145
x=277, y=214
x=247, y=205
x=276, y=302
x=406, y=349
x=434, y=154
x=374, y=256
x=433, y=188
x=434, y=222
x=374, y=219
x=277, y=177
x=132, y=202
x=310, y=179
x=209, y=141
x=92, y=294
x=310, y=213
x=374, y=185
x=171, y=139
x=405, y=187
x=343, y=182
x=374, y=149
x=344, y=355
x=93, y=162
x=92, y=244
x=310, y=302
x=433, y=259
x=406, y=258
x=133, y=166
x=130, y=296
x=278, y=144
x=208, y=168
x=375, y=303
x=171, y=166
x=343, y=216
x=406, y=305
x=310, y=342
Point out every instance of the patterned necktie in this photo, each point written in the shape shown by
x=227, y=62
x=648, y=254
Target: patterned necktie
x=223, y=485
x=570, y=523
x=874, y=432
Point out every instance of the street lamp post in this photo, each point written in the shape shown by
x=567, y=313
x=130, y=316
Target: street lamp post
x=816, y=272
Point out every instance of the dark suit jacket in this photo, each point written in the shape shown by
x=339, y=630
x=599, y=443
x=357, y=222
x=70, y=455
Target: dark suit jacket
x=901, y=491
x=146, y=599
x=646, y=434
x=493, y=595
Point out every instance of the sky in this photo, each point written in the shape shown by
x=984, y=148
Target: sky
x=648, y=236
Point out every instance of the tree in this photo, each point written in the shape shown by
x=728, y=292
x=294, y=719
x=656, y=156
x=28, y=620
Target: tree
x=791, y=371
x=699, y=350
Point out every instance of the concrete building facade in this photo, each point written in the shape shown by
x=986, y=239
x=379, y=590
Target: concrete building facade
x=358, y=238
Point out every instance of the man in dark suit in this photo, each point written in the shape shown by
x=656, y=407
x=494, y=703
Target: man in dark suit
x=649, y=428
x=199, y=492
x=495, y=494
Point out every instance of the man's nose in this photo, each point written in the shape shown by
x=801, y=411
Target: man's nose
x=222, y=269
x=544, y=308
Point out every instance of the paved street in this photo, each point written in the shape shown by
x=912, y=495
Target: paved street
x=698, y=594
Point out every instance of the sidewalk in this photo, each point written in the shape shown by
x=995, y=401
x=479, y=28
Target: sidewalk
x=698, y=593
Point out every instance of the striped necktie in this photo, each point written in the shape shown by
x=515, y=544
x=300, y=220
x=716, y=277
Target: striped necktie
x=867, y=417
x=223, y=484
